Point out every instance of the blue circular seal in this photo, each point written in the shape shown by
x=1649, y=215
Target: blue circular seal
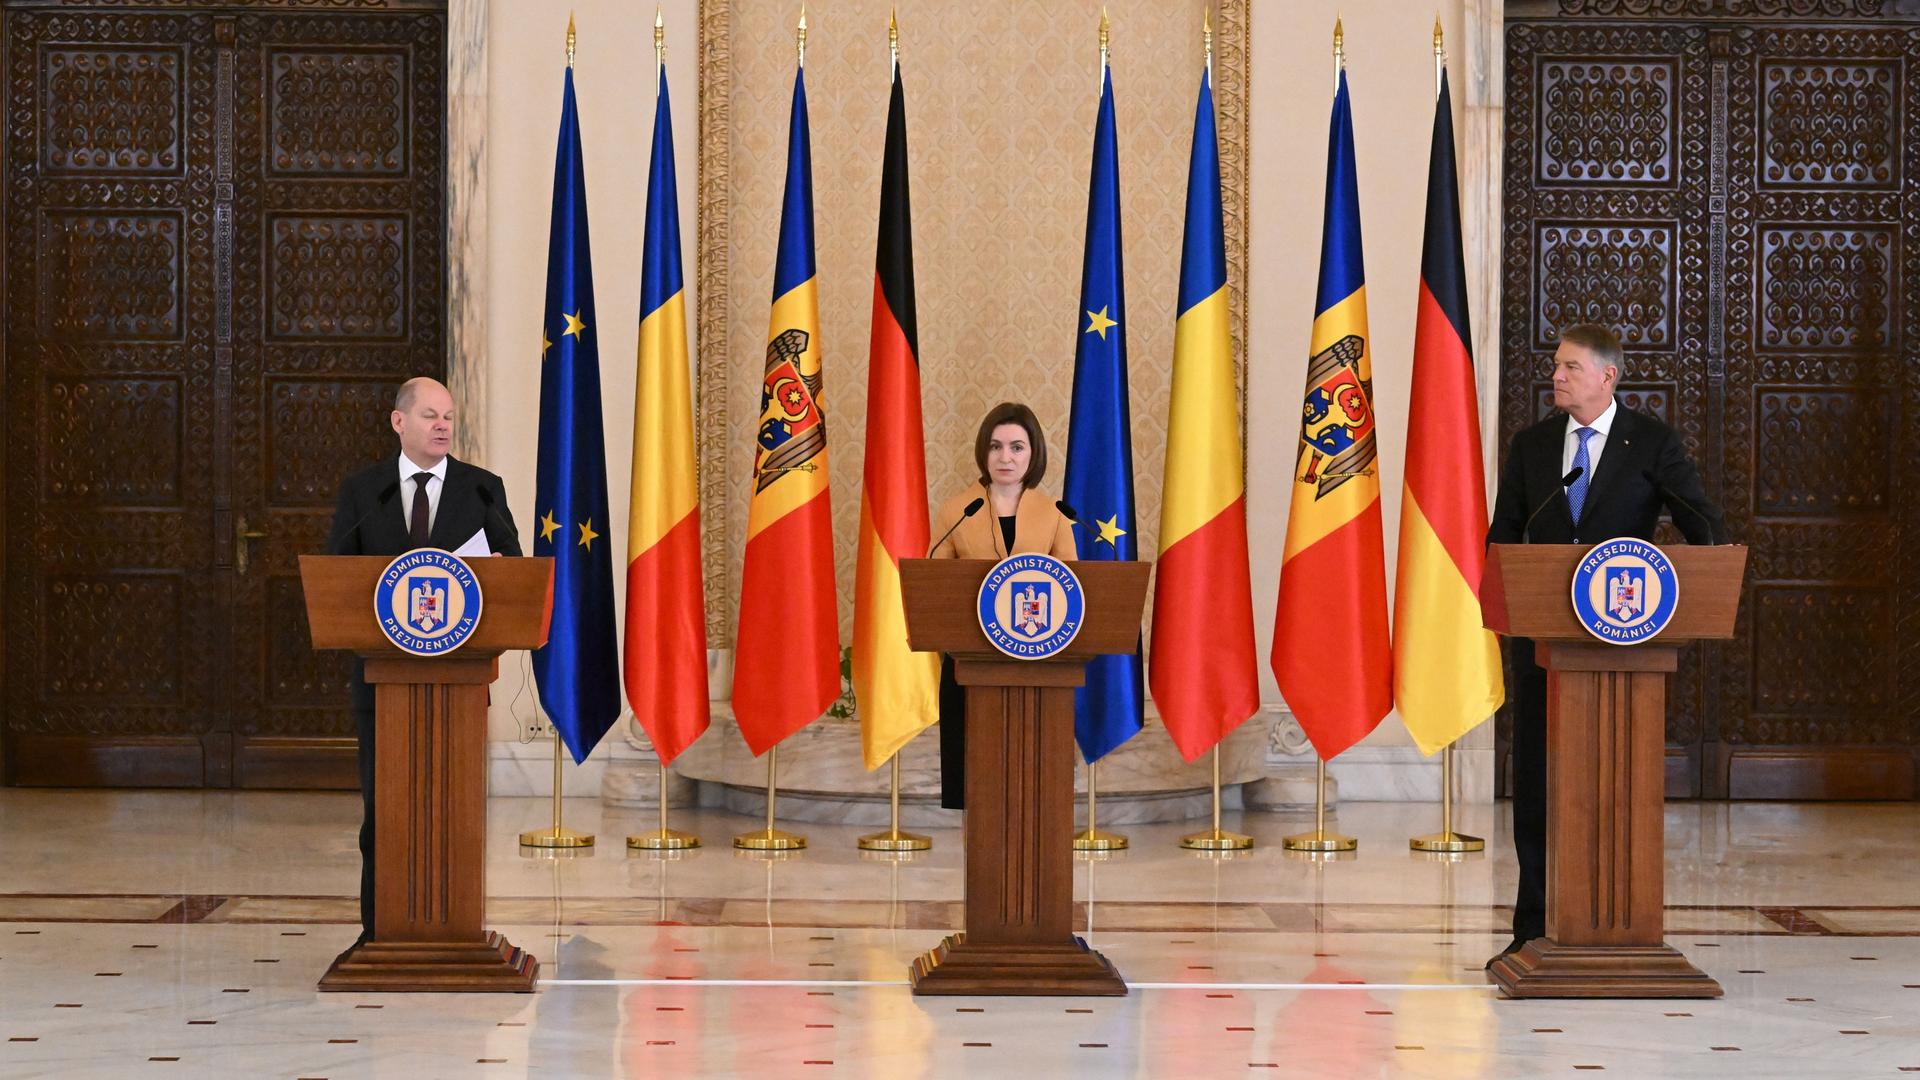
x=427, y=601
x=1030, y=606
x=1625, y=591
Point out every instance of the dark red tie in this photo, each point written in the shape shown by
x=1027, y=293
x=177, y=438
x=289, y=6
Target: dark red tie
x=418, y=528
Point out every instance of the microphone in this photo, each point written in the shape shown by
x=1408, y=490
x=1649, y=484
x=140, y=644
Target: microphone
x=1668, y=494
x=1565, y=481
x=1066, y=511
x=972, y=509
x=380, y=501
x=486, y=500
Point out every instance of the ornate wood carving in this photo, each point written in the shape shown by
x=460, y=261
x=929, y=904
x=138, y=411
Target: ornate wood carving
x=111, y=110
x=1767, y=317
x=224, y=247
x=338, y=113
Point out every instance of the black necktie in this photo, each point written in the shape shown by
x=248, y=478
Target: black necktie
x=417, y=530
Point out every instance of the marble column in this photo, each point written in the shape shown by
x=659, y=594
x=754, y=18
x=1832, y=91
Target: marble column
x=467, y=224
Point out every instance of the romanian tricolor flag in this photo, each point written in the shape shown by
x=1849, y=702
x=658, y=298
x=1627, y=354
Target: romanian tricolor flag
x=787, y=656
x=666, y=641
x=897, y=689
x=1201, y=667
x=1446, y=665
x=1330, y=647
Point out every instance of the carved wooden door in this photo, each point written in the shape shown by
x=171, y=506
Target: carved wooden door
x=224, y=250
x=1737, y=189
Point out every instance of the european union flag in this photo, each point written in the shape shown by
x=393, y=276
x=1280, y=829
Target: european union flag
x=1107, y=711
x=578, y=670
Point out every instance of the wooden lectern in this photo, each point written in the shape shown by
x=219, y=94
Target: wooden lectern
x=1606, y=773
x=430, y=777
x=1019, y=938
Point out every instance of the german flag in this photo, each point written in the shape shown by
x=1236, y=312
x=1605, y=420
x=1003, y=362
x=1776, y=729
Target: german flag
x=787, y=655
x=1330, y=648
x=666, y=639
x=1446, y=665
x=897, y=689
x=1201, y=667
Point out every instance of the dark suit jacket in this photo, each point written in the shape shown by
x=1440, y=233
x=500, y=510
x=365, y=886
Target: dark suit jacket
x=365, y=525
x=1621, y=500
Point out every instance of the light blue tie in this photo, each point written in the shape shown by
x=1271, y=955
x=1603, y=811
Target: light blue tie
x=1577, y=491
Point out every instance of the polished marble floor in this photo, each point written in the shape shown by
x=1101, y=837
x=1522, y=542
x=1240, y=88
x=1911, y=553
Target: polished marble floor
x=162, y=934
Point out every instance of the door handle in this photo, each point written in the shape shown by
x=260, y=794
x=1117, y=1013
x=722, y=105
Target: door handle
x=241, y=546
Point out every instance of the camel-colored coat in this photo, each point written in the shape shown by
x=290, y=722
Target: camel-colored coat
x=1038, y=527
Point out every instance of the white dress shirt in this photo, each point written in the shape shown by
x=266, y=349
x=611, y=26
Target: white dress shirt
x=408, y=470
x=1596, y=442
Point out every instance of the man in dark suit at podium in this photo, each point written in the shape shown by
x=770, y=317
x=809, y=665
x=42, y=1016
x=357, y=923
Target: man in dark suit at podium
x=424, y=498
x=1590, y=472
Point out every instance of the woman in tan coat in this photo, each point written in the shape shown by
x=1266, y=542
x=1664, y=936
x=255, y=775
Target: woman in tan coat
x=1017, y=517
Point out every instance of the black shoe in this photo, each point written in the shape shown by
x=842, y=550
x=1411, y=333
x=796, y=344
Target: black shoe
x=1513, y=946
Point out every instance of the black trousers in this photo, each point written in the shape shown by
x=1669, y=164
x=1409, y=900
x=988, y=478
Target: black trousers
x=1529, y=790
x=953, y=738
x=363, y=727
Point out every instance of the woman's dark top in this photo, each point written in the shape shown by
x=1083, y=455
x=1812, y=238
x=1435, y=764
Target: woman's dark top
x=1006, y=531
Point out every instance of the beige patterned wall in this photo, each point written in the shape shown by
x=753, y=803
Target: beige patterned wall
x=1001, y=96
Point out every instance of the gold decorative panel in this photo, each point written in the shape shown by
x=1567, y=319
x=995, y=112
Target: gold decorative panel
x=1001, y=97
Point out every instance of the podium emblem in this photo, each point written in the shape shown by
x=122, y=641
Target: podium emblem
x=427, y=601
x=1031, y=606
x=1625, y=591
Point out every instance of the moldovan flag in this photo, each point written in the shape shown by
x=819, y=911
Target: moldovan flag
x=1446, y=665
x=1201, y=667
x=666, y=641
x=1330, y=649
x=897, y=689
x=786, y=664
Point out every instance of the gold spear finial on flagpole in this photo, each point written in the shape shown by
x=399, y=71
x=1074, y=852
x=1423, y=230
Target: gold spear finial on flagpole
x=1339, y=52
x=659, y=36
x=570, y=39
x=1206, y=35
x=800, y=37
x=1106, y=36
x=893, y=35
x=1439, y=54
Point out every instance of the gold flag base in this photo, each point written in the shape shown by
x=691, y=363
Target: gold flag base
x=895, y=840
x=555, y=838
x=1216, y=839
x=1097, y=840
x=1091, y=838
x=663, y=840
x=770, y=840
x=1448, y=842
x=1319, y=840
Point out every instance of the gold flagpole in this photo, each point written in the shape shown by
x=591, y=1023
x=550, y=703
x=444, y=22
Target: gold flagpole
x=1216, y=839
x=556, y=837
x=1320, y=839
x=1446, y=840
x=893, y=839
x=770, y=838
x=1093, y=839
x=663, y=838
